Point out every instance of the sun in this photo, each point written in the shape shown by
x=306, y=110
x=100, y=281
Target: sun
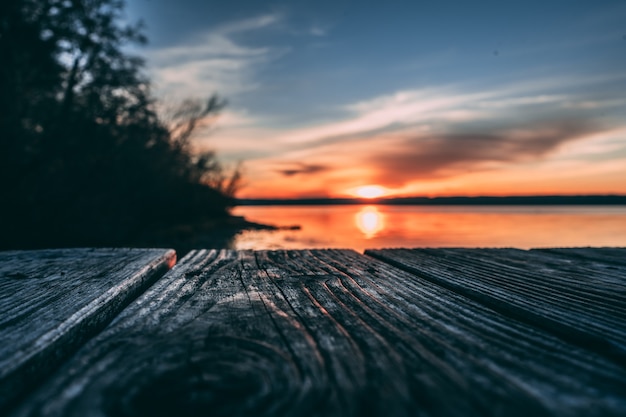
x=370, y=191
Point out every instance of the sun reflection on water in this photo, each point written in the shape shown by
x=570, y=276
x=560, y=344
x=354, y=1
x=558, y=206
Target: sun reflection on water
x=378, y=226
x=369, y=221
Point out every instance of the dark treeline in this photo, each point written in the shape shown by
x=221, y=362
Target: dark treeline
x=84, y=157
x=541, y=200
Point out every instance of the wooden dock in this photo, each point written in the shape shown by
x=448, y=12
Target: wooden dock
x=394, y=332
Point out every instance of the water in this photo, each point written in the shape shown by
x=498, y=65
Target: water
x=362, y=227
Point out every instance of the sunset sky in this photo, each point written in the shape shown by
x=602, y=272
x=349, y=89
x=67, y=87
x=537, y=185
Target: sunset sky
x=417, y=97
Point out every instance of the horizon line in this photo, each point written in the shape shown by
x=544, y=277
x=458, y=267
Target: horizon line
x=572, y=199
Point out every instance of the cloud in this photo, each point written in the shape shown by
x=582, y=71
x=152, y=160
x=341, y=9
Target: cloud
x=245, y=25
x=301, y=168
x=436, y=108
x=448, y=110
x=424, y=138
x=213, y=61
x=402, y=109
x=440, y=156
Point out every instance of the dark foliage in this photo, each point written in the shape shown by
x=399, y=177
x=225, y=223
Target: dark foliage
x=84, y=157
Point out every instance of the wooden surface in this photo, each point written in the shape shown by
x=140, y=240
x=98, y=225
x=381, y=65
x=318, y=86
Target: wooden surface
x=582, y=302
x=335, y=333
x=52, y=301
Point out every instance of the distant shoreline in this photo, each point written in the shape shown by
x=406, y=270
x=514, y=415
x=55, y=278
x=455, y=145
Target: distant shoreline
x=573, y=200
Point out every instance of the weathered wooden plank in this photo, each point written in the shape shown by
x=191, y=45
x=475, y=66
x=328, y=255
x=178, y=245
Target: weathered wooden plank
x=321, y=333
x=584, y=304
x=601, y=285
x=604, y=256
x=52, y=301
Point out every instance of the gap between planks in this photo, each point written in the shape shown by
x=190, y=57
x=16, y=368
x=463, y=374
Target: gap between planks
x=321, y=333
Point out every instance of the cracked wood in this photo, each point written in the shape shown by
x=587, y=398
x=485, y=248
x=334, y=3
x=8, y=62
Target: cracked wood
x=52, y=301
x=566, y=292
x=321, y=333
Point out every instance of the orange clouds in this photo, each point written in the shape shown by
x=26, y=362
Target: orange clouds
x=543, y=160
x=426, y=157
x=438, y=142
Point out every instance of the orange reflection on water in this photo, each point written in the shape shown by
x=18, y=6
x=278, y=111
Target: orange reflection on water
x=361, y=227
x=369, y=221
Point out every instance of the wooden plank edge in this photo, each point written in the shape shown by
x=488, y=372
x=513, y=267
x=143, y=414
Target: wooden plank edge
x=56, y=346
x=574, y=336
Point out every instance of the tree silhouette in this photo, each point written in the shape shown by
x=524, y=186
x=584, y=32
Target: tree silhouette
x=84, y=157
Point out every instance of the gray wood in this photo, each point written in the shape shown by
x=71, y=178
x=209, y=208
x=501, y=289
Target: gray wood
x=582, y=303
x=321, y=333
x=604, y=256
x=52, y=301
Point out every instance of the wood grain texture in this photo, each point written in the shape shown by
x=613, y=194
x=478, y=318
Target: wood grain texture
x=606, y=257
x=52, y=301
x=321, y=333
x=584, y=303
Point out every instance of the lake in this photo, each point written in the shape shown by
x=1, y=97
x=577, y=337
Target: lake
x=377, y=226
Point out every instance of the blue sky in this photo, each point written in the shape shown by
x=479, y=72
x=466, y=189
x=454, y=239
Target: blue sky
x=421, y=97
